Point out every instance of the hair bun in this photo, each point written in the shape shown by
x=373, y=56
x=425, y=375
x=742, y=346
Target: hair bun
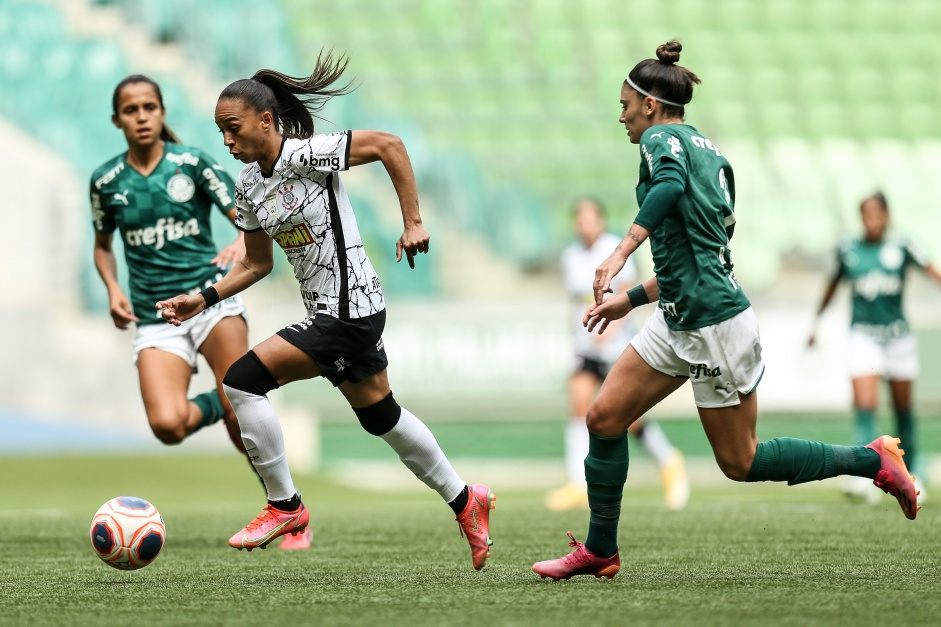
x=669, y=52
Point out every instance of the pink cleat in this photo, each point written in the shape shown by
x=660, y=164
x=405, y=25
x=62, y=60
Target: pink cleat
x=475, y=523
x=581, y=561
x=297, y=541
x=268, y=525
x=893, y=478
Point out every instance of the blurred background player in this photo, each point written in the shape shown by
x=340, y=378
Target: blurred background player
x=595, y=354
x=881, y=344
x=704, y=328
x=290, y=191
x=159, y=195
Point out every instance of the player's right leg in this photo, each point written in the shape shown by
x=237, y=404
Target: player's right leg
x=865, y=401
x=164, y=380
x=247, y=383
x=630, y=390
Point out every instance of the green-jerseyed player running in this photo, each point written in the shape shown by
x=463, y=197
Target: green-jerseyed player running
x=159, y=196
x=704, y=329
x=881, y=344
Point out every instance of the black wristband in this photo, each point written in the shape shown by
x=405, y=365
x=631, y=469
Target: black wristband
x=210, y=295
x=638, y=295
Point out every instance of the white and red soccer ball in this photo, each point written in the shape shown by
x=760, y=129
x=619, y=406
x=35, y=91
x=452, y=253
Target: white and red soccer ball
x=127, y=533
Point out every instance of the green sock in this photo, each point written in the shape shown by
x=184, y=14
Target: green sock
x=605, y=473
x=864, y=426
x=799, y=461
x=211, y=407
x=906, y=425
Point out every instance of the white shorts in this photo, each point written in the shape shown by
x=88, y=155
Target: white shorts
x=895, y=359
x=184, y=341
x=721, y=360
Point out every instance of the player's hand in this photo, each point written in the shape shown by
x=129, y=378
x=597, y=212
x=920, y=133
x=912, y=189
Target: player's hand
x=121, y=312
x=605, y=273
x=602, y=315
x=230, y=254
x=413, y=241
x=180, y=308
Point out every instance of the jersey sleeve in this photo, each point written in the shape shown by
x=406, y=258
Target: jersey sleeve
x=663, y=152
x=320, y=153
x=915, y=255
x=215, y=183
x=101, y=214
x=245, y=218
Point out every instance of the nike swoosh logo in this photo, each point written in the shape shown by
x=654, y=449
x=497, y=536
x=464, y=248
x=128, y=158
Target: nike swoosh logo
x=268, y=535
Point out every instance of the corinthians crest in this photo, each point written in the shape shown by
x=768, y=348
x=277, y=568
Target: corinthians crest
x=289, y=199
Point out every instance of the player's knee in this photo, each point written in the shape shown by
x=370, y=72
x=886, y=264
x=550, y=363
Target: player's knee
x=169, y=429
x=602, y=420
x=735, y=468
x=379, y=418
x=249, y=375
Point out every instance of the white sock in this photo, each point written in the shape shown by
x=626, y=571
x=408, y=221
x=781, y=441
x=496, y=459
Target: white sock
x=419, y=451
x=656, y=443
x=264, y=442
x=576, y=449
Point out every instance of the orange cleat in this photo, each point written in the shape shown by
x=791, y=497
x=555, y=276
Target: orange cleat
x=268, y=525
x=297, y=541
x=581, y=561
x=475, y=523
x=893, y=478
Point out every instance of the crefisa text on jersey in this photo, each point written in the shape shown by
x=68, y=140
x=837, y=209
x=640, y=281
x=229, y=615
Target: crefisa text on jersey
x=166, y=230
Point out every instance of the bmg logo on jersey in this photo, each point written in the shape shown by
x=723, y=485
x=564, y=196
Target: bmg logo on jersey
x=697, y=371
x=166, y=230
x=295, y=238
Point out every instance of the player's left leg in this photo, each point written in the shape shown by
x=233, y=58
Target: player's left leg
x=380, y=415
x=905, y=421
x=731, y=432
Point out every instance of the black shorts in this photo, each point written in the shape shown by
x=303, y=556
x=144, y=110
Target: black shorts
x=592, y=366
x=345, y=350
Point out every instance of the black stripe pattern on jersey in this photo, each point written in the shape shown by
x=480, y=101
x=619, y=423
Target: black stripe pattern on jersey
x=343, y=308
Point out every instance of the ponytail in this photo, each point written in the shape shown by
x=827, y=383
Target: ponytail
x=292, y=102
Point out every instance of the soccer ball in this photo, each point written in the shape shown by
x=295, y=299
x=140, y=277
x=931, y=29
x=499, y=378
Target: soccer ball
x=127, y=533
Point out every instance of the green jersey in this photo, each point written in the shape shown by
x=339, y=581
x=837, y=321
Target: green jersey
x=690, y=247
x=164, y=221
x=876, y=272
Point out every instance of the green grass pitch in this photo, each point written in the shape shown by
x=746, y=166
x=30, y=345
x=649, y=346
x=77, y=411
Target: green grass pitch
x=754, y=554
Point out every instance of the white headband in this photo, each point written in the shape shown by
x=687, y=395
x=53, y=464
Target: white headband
x=650, y=95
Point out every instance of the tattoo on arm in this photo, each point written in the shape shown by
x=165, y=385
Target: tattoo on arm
x=633, y=236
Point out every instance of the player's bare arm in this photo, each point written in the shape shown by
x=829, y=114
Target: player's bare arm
x=233, y=252
x=254, y=266
x=369, y=146
x=827, y=297
x=121, y=312
x=613, y=264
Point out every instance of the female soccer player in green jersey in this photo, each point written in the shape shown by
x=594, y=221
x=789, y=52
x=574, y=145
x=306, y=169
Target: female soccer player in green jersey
x=290, y=192
x=881, y=345
x=704, y=329
x=159, y=196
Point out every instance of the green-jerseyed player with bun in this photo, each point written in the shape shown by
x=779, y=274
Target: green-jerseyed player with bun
x=704, y=329
x=881, y=344
x=159, y=196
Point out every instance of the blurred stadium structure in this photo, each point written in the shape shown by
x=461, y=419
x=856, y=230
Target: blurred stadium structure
x=509, y=111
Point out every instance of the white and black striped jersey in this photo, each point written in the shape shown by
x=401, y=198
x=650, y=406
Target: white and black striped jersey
x=304, y=208
x=578, y=270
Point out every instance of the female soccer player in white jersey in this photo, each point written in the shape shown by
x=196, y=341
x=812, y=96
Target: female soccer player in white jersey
x=594, y=357
x=881, y=345
x=291, y=193
x=704, y=329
